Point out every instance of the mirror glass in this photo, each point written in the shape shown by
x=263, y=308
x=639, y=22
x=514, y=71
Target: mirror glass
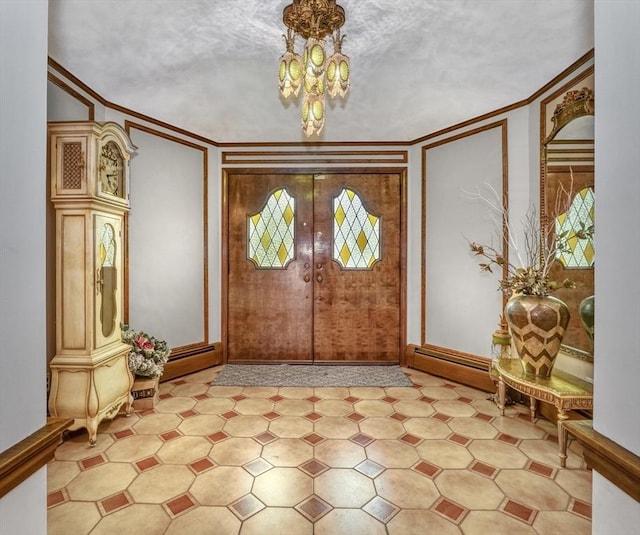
x=567, y=163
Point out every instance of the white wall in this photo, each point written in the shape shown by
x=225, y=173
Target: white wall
x=23, y=86
x=617, y=271
x=166, y=236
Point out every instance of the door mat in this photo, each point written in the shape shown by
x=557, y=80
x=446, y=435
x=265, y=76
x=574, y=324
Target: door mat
x=310, y=376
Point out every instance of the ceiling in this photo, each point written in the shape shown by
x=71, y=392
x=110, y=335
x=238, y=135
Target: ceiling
x=417, y=66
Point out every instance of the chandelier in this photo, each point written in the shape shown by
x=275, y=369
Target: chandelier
x=315, y=21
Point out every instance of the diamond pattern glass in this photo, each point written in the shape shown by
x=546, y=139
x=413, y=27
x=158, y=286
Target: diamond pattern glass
x=580, y=215
x=271, y=232
x=356, y=232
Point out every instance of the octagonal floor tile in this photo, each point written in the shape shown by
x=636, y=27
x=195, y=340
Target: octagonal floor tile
x=235, y=451
x=287, y=452
x=221, y=485
x=283, y=487
x=102, y=481
x=469, y=489
x=161, y=483
x=392, y=454
x=339, y=453
x=344, y=488
x=406, y=489
x=184, y=450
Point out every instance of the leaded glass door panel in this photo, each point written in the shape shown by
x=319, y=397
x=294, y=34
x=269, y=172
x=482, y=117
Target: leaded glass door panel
x=314, y=268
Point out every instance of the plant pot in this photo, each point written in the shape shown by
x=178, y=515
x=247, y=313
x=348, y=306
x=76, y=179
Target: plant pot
x=537, y=325
x=145, y=392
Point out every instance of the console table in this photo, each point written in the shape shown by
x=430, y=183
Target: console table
x=564, y=391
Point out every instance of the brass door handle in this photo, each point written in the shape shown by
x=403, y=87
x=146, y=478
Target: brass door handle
x=319, y=278
x=306, y=278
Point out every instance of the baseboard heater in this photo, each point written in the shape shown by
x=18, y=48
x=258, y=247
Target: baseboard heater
x=192, y=359
x=463, y=368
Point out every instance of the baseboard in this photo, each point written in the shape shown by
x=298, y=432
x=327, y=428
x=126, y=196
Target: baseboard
x=463, y=368
x=193, y=360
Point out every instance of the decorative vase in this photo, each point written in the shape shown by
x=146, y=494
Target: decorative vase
x=537, y=325
x=145, y=392
x=586, y=309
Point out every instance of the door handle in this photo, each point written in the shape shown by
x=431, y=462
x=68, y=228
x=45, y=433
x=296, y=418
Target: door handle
x=319, y=278
x=306, y=278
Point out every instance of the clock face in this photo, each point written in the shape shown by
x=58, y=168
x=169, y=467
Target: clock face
x=111, y=170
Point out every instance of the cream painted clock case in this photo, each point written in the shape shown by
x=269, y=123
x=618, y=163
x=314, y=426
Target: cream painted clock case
x=89, y=173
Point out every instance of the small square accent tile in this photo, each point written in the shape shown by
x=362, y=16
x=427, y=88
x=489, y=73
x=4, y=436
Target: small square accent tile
x=427, y=469
x=447, y=385
x=541, y=469
x=188, y=414
x=441, y=417
x=451, y=510
x=313, y=439
x=313, y=416
x=271, y=415
x=114, y=503
x=123, y=434
x=217, y=437
x=201, y=397
x=508, y=439
x=276, y=398
x=389, y=399
x=370, y=468
x=90, y=462
x=381, y=509
x=179, y=382
x=355, y=417
x=519, y=511
x=352, y=399
x=55, y=498
x=399, y=417
x=314, y=468
x=581, y=508
x=257, y=467
x=313, y=508
x=361, y=439
x=239, y=397
x=410, y=439
x=465, y=400
x=483, y=416
x=246, y=506
x=201, y=465
x=170, y=435
x=484, y=469
x=168, y=395
x=145, y=464
x=265, y=438
x=459, y=439
x=230, y=414
x=179, y=505
x=314, y=399
x=427, y=399
x=146, y=412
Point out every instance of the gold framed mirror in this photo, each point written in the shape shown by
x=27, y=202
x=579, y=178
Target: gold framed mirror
x=567, y=158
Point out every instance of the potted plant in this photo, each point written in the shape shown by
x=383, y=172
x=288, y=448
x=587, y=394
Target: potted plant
x=537, y=320
x=147, y=358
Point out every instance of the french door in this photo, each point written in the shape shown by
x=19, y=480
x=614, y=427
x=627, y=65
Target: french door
x=314, y=267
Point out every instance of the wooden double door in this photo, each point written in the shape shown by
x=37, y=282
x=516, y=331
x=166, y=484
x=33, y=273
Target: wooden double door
x=315, y=270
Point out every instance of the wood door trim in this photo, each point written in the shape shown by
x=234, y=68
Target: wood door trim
x=226, y=172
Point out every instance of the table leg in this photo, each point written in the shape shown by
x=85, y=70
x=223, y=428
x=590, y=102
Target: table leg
x=532, y=408
x=502, y=394
x=563, y=435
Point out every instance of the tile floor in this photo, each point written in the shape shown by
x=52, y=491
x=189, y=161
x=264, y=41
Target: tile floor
x=435, y=458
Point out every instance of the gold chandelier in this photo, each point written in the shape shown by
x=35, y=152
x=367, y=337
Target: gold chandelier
x=314, y=20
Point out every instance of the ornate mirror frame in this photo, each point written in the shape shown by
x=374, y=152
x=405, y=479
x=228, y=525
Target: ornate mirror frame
x=568, y=162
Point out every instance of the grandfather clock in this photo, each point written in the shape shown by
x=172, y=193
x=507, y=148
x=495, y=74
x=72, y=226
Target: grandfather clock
x=89, y=173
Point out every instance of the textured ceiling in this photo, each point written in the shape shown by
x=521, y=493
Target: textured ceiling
x=417, y=66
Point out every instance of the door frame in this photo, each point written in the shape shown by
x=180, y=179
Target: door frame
x=224, y=287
